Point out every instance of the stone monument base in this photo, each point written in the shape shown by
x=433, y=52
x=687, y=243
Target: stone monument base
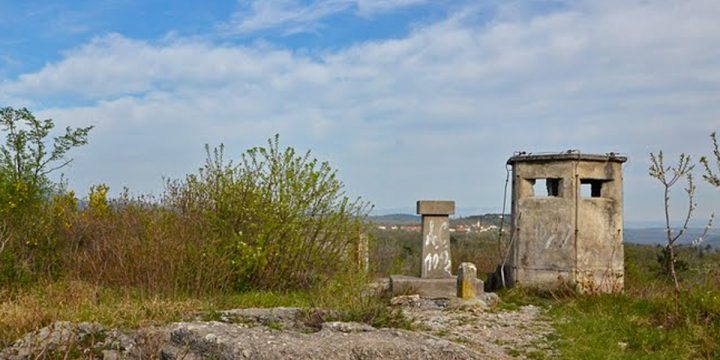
x=428, y=288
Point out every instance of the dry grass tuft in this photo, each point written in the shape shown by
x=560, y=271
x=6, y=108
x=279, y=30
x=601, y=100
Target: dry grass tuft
x=27, y=310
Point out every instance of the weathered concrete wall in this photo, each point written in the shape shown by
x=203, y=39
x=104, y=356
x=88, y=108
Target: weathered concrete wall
x=544, y=246
x=600, y=257
x=561, y=236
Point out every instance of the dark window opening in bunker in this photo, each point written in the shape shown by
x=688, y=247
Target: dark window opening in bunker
x=546, y=187
x=591, y=188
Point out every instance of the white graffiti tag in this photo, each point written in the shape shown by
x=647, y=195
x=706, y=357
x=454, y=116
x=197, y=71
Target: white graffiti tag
x=550, y=233
x=438, y=252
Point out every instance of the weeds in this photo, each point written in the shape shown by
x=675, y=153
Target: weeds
x=648, y=321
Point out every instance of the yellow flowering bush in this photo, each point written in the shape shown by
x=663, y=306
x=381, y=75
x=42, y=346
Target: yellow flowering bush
x=27, y=205
x=97, y=200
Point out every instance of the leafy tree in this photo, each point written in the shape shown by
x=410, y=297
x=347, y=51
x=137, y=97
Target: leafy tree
x=27, y=156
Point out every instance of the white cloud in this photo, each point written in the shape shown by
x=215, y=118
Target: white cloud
x=292, y=16
x=372, y=7
x=435, y=114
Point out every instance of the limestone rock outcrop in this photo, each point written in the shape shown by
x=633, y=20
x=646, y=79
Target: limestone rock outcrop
x=280, y=333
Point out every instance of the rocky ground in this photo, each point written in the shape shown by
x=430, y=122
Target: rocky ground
x=444, y=330
x=494, y=333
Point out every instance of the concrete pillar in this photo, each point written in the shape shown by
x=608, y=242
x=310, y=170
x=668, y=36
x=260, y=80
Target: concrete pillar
x=466, y=280
x=435, y=261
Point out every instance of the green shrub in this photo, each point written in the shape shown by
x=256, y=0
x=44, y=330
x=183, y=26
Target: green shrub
x=283, y=217
x=27, y=156
x=138, y=243
x=274, y=221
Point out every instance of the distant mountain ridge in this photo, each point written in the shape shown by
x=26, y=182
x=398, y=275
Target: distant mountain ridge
x=395, y=219
x=643, y=236
x=657, y=236
x=408, y=219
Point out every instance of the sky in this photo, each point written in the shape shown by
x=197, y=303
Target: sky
x=407, y=99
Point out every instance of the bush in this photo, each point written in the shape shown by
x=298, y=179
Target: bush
x=274, y=221
x=138, y=243
x=283, y=217
x=26, y=159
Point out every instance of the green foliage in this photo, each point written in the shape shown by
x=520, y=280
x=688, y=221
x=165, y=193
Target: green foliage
x=133, y=242
x=663, y=259
x=282, y=216
x=275, y=222
x=26, y=158
x=97, y=199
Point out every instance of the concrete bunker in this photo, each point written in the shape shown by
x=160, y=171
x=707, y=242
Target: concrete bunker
x=567, y=221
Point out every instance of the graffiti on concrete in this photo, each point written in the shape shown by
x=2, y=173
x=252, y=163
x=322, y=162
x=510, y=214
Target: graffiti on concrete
x=437, y=247
x=552, y=232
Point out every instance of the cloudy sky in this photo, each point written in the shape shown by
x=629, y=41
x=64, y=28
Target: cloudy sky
x=408, y=99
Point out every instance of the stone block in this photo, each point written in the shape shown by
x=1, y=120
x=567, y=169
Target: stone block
x=428, y=288
x=435, y=207
x=466, y=281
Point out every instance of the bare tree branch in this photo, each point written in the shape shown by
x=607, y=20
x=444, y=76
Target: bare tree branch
x=669, y=176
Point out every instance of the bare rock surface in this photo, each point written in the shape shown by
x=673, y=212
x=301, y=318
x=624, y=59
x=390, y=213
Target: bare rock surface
x=282, y=333
x=64, y=339
x=445, y=329
x=335, y=341
x=496, y=334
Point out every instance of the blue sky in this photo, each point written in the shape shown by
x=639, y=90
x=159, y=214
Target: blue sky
x=408, y=99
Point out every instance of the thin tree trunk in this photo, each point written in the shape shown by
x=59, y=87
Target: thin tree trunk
x=670, y=245
x=671, y=251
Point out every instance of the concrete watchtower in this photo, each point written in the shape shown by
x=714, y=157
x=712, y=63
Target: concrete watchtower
x=567, y=218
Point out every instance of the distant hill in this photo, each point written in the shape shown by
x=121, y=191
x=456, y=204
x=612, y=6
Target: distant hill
x=487, y=219
x=652, y=236
x=643, y=236
x=396, y=219
x=407, y=219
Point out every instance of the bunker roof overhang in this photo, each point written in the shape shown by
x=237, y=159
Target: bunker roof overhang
x=571, y=156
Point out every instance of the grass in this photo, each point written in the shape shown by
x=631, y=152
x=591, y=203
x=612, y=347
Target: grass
x=31, y=308
x=626, y=327
x=28, y=309
x=647, y=321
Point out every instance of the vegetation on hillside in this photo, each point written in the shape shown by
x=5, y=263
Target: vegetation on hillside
x=275, y=220
x=274, y=228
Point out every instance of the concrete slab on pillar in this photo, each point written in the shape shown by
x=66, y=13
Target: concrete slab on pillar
x=435, y=207
x=428, y=288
